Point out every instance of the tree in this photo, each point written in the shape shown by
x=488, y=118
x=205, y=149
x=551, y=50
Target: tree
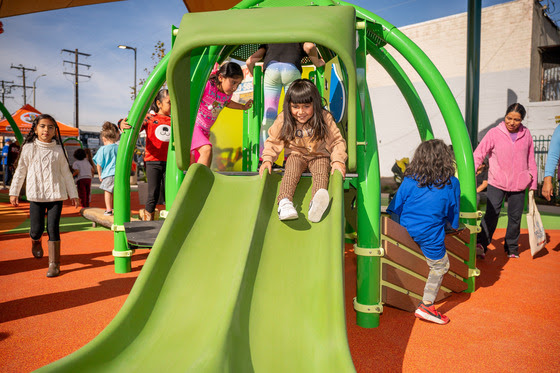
x=157, y=55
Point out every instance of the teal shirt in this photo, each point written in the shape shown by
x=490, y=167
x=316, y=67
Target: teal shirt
x=106, y=157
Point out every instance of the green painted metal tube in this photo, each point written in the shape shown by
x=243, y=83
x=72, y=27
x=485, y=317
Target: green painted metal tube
x=368, y=194
x=15, y=128
x=449, y=110
x=406, y=87
x=255, y=119
x=473, y=69
x=124, y=160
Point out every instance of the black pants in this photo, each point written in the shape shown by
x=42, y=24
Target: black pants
x=495, y=198
x=155, y=172
x=37, y=212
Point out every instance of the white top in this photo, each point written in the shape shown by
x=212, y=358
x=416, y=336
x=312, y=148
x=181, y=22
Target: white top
x=45, y=169
x=84, y=168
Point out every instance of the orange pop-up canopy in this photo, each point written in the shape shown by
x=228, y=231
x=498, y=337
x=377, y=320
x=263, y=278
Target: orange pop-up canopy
x=24, y=118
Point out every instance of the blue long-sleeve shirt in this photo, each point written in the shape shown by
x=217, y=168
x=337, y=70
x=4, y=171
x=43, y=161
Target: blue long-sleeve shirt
x=553, y=153
x=424, y=212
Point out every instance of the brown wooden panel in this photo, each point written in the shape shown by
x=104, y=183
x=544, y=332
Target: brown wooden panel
x=465, y=235
x=399, y=300
x=408, y=282
x=398, y=233
x=456, y=247
x=406, y=259
x=458, y=266
x=419, y=266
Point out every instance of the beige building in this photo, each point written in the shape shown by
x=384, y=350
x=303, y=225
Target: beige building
x=519, y=62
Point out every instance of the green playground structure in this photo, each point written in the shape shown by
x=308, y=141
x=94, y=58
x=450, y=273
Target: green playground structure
x=227, y=286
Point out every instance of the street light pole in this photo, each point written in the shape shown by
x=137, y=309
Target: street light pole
x=34, y=87
x=134, y=49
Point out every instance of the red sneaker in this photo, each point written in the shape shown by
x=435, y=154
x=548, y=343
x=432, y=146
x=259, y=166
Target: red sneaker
x=429, y=313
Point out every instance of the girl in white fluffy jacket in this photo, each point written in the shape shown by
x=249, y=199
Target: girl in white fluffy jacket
x=44, y=165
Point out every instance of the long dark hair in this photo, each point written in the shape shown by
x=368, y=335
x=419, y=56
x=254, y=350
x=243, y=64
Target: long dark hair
x=303, y=91
x=516, y=108
x=31, y=136
x=227, y=70
x=433, y=164
x=163, y=93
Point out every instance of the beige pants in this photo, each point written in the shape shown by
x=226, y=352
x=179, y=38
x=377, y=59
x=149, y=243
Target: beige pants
x=295, y=166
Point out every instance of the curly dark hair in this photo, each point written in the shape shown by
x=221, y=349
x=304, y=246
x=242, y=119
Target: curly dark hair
x=433, y=164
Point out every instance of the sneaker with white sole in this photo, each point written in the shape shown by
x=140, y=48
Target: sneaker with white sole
x=429, y=313
x=286, y=210
x=318, y=205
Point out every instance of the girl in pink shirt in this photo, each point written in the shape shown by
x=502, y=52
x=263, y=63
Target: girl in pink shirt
x=512, y=169
x=220, y=87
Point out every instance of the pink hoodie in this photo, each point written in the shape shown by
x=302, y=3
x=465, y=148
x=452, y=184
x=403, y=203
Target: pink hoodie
x=512, y=166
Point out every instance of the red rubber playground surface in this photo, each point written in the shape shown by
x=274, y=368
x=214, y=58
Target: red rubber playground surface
x=511, y=323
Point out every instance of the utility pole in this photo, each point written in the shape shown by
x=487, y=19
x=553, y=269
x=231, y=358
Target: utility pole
x=76, y=76
x=23, y=69
x=4, y=88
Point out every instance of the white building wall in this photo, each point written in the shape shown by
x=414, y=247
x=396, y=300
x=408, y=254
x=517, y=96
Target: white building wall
x=505, y=76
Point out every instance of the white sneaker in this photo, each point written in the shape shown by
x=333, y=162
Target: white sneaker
x=286, y=210
x=318, y=205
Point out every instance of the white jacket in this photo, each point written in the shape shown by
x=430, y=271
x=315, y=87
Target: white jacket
x=47, y=172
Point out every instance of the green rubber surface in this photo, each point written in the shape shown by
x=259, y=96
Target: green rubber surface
x=228, y=287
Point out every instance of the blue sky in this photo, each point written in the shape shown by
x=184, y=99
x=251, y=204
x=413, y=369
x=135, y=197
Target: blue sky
x=36, y=40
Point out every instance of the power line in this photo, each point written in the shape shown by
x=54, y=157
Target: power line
x=23, y=70
x=76, y=76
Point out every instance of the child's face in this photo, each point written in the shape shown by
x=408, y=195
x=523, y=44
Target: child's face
x=513, y=121
x=302, y=112
x=229, y=85
x=45, y=130
x=164, y=106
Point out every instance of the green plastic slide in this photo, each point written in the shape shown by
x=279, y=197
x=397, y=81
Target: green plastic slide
x=228, y=287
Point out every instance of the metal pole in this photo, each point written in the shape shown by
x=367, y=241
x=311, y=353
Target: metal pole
x=34, y=87
x=76, y=89
x=473, y=70
x=134, y=73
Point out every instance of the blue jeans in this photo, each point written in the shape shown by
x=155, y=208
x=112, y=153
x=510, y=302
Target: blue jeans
x=278, y=75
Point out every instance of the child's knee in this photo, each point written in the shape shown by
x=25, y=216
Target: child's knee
x=205, y=150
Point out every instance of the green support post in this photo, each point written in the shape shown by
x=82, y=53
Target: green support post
x=124, y=161
x=473, y=69
x=255, y=119
x=369, y=196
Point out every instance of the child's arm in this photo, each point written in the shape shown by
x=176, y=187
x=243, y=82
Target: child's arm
x=99, y=169
x=336, y=145
x=238, y=106
x=454, y=205
x=76, y=172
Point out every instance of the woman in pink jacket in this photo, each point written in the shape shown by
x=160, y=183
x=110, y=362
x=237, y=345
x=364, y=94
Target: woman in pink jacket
x=512, y=169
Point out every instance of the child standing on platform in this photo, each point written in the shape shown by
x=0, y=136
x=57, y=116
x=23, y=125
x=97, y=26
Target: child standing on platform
x=84, y=171
x=44, y=166
x=311, y=140
x=106, y=161
x=157, y=125
x=217, y=95
x=427, y=201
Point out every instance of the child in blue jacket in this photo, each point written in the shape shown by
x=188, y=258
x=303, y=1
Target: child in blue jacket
x=427, y=201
